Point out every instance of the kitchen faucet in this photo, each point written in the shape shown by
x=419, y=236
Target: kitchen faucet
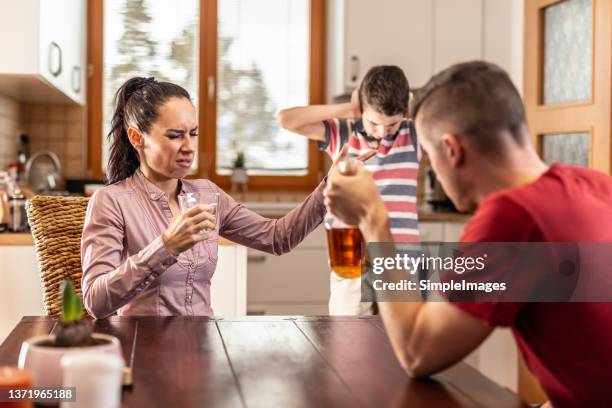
x=52, y=177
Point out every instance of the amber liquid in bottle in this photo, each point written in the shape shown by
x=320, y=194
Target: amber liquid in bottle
x=345, y=251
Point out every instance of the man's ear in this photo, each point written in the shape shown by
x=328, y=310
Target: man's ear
x=135, y=137
x=452, y=149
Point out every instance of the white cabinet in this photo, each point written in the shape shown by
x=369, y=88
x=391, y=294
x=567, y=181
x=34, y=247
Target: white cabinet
x=389, y=32
x=422, y=37
x=20, y=289
x=458, y=35
x=44, y=47
x=228, y=284
x=291, y=284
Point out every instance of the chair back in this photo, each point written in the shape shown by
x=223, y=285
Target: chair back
x=57, y=226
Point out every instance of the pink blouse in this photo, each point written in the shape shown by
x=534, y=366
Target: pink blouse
x=128, y=270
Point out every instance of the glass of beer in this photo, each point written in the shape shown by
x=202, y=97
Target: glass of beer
x=345, y=247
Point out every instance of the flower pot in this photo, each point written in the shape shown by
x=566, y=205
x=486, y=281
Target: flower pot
x=239, y=176
x=44, y=360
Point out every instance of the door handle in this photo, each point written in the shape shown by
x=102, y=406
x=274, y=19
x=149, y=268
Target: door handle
x=75, y=79
x=54, y=62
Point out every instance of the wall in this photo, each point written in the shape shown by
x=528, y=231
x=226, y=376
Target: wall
x=10, y=127
x=59, y=128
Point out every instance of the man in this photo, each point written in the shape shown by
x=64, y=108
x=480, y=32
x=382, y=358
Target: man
x=374, y=120
x=471, y=123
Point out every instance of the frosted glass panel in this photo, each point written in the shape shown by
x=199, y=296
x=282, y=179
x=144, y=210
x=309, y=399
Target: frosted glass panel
x=567, y=148
x=568, y=28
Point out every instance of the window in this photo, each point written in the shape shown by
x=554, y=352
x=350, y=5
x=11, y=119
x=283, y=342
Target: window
x=241, y=60
x=262, y=64
x=148, y=38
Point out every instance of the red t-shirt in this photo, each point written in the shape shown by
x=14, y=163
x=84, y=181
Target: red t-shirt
x=568, y=346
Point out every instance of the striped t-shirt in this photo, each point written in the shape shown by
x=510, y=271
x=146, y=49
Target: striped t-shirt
x=394, y=169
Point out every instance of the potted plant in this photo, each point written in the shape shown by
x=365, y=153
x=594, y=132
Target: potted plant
x=239, y=177
x=74, y=334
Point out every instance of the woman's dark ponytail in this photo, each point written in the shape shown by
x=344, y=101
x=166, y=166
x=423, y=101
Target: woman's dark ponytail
x=137, y=102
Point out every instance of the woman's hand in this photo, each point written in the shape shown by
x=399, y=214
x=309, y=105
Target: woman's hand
x=189, y=228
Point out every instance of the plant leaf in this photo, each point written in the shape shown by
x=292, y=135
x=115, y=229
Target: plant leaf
x=80, y=310
x=68, y=301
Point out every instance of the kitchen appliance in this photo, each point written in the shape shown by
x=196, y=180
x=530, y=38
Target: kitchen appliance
x=18, y=219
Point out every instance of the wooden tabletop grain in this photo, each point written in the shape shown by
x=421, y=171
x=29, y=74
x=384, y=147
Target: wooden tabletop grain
x=271, y=361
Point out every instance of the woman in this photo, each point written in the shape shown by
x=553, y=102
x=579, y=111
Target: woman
x=140, y=254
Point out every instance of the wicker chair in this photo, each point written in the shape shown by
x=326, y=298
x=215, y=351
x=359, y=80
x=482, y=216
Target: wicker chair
x=57, y=226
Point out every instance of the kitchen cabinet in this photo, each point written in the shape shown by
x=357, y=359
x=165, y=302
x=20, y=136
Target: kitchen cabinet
x=290, y=284
x=44, y=44
x=20, y=290
x=440, y=231
x=458, y=34
x=422, y=37
x=389, y=32
x=297, y=283
x=228, y=285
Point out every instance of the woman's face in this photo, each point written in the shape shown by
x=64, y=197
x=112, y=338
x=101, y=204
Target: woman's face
x=168, y=148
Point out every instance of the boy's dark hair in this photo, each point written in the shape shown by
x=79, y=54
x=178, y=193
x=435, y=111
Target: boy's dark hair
x=475, y=99
x=385, y=88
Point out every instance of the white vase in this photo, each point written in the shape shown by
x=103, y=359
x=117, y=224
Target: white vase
x=239, y=176
x=44, y=361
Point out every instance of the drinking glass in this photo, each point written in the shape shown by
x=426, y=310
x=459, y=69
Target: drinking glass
x=189, y=200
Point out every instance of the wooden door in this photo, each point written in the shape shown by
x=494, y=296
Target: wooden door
x=568, y=80
x=567, y=91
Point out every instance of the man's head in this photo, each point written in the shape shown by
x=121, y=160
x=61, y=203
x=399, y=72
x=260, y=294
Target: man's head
x=468, y=117
x=383, y=98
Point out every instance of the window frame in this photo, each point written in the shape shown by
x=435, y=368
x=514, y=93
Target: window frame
x=207, y=108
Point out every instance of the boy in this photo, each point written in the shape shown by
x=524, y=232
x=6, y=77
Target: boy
x=374, y=119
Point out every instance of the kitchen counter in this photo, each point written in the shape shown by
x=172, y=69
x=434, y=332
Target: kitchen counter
x=14, y=239
x=10, y=238
x=443, y=217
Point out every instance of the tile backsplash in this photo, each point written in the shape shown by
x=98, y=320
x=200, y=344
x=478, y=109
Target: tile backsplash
x=59, y=128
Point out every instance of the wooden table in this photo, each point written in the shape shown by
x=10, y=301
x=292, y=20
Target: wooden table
x=271, y=361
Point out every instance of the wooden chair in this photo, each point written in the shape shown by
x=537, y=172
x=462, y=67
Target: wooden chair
x=57, y=226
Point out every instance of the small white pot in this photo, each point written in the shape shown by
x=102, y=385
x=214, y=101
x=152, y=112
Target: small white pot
x=44, y=361
x=239, y=176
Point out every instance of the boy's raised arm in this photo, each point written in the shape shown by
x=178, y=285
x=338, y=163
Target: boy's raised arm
x=308, y=120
